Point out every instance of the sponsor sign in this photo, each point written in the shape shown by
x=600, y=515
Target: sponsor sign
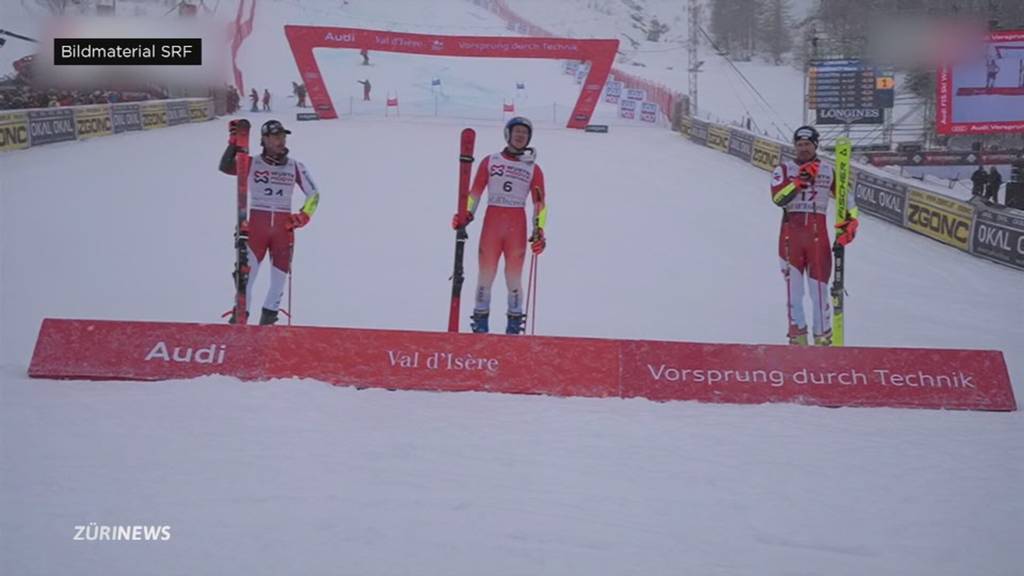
x=199, y=111
x=741, y=144
x=999, y=235
x=92, y=121
x=718, y=138
x=648, y=111
x=940, y=218
x=880, y=197
x=598, y=128
x=850, y=116
x=154, y=116
x=13, y=131
x=177, y=113
x=307, y=116
x=699, y=131
x=127, y=117
x=637, y=94
x=627, y=109
x=767, y=154
x=50, y=125
x=685, y=123
x=442, y=361
x=613, y=91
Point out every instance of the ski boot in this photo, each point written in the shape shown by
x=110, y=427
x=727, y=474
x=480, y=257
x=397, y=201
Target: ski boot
x=479, y=322
x=232, y=319
x=823, y=339
x=268, y=317
x=797, y=336
x=516, y=324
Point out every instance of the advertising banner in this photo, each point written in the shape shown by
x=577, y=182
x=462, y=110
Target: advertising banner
x=741, y=144
x=443, y=361
x=718, y=138
x=627, y=109
x=177, y=113
x=880, y=197
x=648, y=111
x=154, y=116
x=13, y=131
x=92, y=121
x=999, y=235
x=127, y=117
x=699, y=131
x=50, y=125
x=766, y=155
x=940, y=218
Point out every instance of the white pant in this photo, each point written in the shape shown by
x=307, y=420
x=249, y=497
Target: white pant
x=821, y=306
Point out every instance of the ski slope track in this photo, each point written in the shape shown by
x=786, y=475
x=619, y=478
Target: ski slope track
x=650, y=239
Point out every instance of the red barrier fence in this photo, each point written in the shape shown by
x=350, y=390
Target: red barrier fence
x=719, y=373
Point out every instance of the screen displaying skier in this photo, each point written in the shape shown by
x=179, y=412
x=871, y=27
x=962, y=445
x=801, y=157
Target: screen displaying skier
x=984, y=94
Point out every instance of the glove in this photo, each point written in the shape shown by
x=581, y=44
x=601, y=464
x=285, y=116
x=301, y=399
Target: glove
x=848, y=231
x=537, y=241
x=808, y=172
x=462, y=220
x=298, y=220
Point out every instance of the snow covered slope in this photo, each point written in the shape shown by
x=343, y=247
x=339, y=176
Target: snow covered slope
x=650, y=237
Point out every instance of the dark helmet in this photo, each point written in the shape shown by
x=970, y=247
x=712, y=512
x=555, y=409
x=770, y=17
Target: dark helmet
x=518, y=121
x=806, y=133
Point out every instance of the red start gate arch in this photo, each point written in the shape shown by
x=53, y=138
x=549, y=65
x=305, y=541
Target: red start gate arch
x=600, y=54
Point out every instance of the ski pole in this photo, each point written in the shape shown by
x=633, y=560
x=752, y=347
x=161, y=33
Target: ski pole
x=531, y=294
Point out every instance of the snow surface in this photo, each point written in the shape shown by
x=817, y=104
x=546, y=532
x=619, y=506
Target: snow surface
x=650, y=237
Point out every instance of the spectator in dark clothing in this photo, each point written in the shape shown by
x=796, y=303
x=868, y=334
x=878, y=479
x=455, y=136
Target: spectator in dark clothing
x=979, y=178
x=995, y=180
x=366, y=88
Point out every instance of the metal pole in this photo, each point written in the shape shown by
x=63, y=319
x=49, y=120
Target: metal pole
x=693, y=14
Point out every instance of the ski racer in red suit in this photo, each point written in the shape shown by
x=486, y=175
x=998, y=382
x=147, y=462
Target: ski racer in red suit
x=801, y=187
x=272, y=178
x=510, y=177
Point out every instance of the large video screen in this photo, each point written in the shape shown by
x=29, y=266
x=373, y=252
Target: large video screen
x=985, y=93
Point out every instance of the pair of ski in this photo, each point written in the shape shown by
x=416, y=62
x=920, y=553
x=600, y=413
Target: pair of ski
x=838, y=292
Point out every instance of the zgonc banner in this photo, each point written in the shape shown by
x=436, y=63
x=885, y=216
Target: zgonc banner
x=441, y=361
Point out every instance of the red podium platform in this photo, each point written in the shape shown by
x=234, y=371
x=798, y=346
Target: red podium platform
x=556, y=366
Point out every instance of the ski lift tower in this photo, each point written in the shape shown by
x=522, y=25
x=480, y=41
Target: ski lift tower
x=693, y=14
